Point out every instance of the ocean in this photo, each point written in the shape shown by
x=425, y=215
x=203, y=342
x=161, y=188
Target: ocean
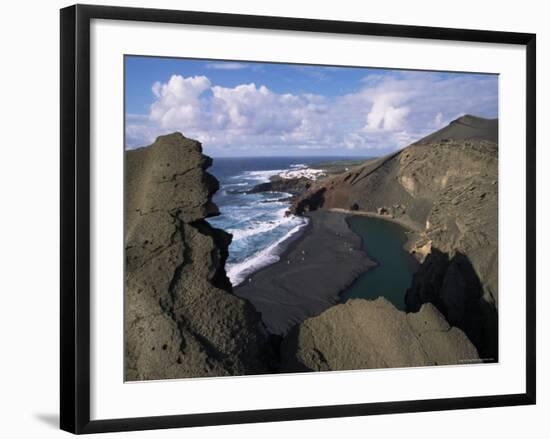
x=260, y=229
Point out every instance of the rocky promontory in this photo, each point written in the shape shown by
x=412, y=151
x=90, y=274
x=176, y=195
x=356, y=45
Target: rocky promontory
x=180, y=318
x=293, y=186
x=301, y=178
x=365, y=334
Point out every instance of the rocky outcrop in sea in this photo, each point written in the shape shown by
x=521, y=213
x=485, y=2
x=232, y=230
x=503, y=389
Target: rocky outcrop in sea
x=293, y=186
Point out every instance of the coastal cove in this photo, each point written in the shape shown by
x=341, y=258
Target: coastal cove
x=293, y=267
x=309, y=275
x=336, y=257
x=257, y=219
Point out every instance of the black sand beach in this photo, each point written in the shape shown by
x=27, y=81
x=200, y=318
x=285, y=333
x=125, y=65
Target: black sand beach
x=311, y=273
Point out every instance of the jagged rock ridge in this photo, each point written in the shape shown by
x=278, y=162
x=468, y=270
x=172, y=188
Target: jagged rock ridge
x=180, y=318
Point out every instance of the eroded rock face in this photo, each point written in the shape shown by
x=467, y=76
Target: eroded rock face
x=364, y=334
x=180, y=318
x=460, y=274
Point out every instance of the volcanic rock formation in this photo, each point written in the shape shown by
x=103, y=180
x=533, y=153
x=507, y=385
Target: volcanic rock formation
x=180, y=318
x=368, y=334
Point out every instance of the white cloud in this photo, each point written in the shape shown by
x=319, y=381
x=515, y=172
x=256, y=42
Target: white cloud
x=386, y=112
x=178, y=104
x=438, y=120
x=157, y=89
x=385, y=116
x=257, y=110
x=226, y=66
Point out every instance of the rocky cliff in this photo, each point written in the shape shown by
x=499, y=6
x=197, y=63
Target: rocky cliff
x=445, y=186
x=364, y=334
x=180, y=318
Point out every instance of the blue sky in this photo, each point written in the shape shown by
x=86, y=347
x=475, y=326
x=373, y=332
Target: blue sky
x=260, y=109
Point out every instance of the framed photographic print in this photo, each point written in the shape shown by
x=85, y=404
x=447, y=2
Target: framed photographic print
x=267, y=218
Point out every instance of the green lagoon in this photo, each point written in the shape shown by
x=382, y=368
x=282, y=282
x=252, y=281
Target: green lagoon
x=383, y=242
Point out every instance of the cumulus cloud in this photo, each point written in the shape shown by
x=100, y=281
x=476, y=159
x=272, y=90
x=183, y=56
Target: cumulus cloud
x=385, y=116
x=178, y=102
x=385, y=112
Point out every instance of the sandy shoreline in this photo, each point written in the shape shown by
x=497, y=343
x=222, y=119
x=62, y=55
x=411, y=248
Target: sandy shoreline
x=310, y=274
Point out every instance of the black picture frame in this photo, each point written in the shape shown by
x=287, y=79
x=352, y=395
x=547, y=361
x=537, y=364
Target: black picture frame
x=75, y=217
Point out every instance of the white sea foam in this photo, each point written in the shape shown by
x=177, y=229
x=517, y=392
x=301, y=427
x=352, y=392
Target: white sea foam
x=276, y=201
x=235, y=184
x=258, y=222
x=255, y=228
x=238, y=272
x=258, y=176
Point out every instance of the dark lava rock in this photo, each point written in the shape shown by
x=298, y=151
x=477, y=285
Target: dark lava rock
x=180, y=318
x=365, y=334
x=293, y=186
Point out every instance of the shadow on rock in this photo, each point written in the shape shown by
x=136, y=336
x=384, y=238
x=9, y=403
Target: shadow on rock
x=311, y=202
x=453, y=286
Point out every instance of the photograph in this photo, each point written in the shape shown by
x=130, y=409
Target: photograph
x=286, y=218
x=267, y=220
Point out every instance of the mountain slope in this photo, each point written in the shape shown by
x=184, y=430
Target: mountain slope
x=467, y=127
